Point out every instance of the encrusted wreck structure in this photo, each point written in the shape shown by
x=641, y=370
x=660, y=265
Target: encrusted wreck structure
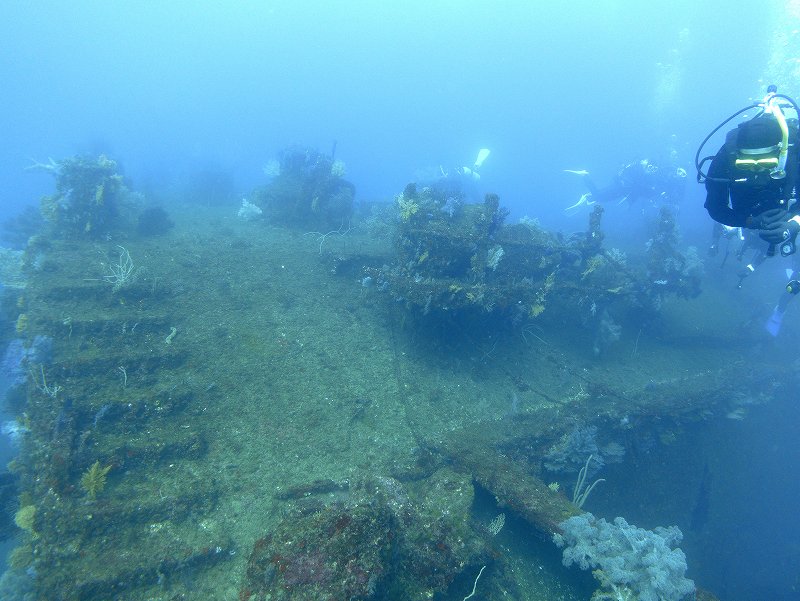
x=306, y=189
x=192, y=423
x=462, y=263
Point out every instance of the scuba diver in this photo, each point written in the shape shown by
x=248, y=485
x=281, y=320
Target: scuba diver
x=463, y=180
x=469, y=174
x=640, y=180
x=751, y=184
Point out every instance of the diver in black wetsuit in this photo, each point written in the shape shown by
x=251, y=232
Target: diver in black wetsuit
x=740, y=188
x=751, y=184
x=635, y=182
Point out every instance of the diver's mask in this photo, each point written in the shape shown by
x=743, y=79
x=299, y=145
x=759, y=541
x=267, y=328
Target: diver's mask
x=758, y=160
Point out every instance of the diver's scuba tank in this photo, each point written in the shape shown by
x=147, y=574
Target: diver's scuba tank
x=469, y=173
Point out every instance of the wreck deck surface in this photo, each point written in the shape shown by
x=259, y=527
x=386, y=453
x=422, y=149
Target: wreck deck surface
x=239, y=366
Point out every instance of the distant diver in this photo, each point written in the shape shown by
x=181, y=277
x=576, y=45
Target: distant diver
x=463, y=180
x=751, y=183
x=470, y=173
x=639, y=181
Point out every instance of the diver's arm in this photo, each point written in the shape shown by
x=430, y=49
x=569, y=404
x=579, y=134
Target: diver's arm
x=717, y=193
x=717, y=206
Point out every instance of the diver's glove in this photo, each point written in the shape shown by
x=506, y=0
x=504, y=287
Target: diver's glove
x=773, y=219
x=780, y=232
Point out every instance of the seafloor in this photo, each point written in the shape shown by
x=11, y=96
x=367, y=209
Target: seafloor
x=248, y=371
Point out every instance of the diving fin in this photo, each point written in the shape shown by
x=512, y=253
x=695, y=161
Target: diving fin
x=773, y=325
x=584, y=201
x=483, y=153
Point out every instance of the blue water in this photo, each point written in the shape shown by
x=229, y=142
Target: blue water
x=174, y=90
x=172, y=87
